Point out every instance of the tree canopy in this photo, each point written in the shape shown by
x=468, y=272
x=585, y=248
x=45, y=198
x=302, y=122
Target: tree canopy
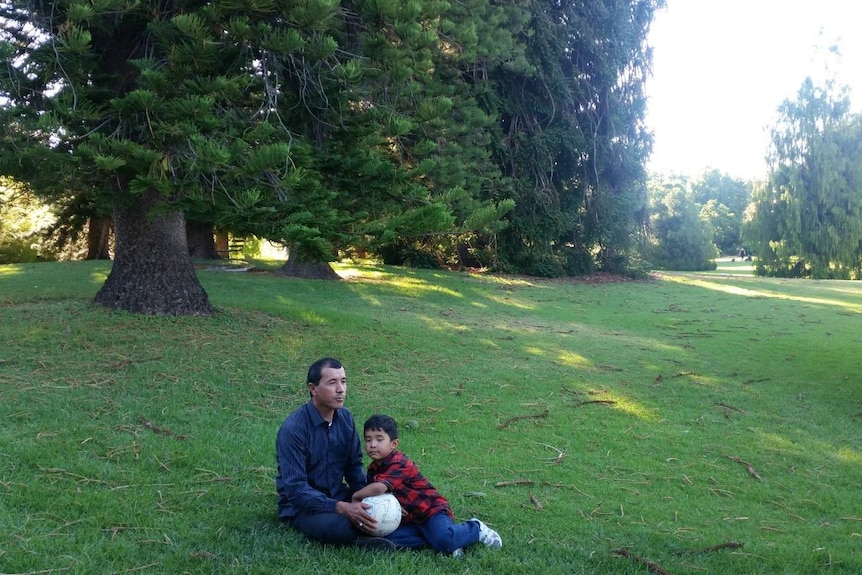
x=510, y=134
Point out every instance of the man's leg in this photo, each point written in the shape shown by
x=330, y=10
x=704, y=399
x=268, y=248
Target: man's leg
x=331, y=528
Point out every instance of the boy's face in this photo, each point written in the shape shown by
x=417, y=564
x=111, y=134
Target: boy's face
x=378, y=444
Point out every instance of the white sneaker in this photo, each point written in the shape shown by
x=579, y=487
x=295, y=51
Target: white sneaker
x=488, y=536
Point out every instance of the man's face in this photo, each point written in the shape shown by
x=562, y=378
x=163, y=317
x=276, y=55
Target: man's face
x=328, y=395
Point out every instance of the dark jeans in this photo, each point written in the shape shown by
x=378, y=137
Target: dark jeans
x=331, y=528
x=440, y=532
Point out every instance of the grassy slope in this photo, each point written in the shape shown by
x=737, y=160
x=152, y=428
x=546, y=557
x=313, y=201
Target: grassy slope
x=140, y=444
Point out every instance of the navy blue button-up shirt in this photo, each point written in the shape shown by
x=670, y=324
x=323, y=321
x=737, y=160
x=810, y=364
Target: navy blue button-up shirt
x=318, y=464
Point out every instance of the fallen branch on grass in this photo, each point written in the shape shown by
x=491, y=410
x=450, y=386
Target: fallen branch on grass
x=748, y=466
x=512, y=420
x=603, y=401
x=726, y=545
x=730, y=407
x=156, y=429
x=535, y=501
x=558, y=458
x=515, y=482
x=651, y=565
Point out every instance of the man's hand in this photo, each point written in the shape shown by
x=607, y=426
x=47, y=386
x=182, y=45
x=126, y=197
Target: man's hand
x=357, y=513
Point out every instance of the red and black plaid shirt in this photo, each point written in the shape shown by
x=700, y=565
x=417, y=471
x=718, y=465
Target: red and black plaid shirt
x=415, y=493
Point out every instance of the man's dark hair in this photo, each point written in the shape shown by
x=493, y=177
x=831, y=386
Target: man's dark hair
x=382, y=423
x=315, y=372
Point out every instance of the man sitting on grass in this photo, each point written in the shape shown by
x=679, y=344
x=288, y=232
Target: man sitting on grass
x=320, y=465
x=429, y=520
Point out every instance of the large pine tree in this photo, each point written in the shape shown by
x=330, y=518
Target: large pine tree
x=150, y=105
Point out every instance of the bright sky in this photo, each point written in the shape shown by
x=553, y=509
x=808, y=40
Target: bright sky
x=721, y=68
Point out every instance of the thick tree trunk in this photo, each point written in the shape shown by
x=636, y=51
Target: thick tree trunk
x=152, y=271
x=201, y=241
x=311, y=270
x=98, y=239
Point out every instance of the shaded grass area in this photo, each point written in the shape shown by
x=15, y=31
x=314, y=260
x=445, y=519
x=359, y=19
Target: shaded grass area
x=664, y=419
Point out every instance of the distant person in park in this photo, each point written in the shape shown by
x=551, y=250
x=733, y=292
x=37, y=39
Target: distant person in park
x=429, y=521
x=319, y=457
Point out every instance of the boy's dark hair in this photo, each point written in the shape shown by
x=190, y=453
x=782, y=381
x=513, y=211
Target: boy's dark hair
x=382, y=423
x=316, y=370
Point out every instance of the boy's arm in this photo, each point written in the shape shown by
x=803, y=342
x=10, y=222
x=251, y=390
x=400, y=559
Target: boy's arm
x=376, y=488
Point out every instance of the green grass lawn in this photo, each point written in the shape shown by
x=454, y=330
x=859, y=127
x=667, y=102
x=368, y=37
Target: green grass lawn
x=707, y=423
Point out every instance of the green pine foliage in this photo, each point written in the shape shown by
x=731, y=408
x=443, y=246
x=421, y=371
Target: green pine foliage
x=507, y=135
x=806, y=220
x=573, y=135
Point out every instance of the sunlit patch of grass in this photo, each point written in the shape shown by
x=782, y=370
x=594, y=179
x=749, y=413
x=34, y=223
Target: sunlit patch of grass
x=848, y=454
x=760, y=292
x=10, y=269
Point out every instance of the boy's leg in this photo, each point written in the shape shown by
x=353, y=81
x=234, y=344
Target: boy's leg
x=445, y=536
x=408, y=537
x=331, y=528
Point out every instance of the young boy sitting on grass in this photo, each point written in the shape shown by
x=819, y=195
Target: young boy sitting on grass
x=429, y=519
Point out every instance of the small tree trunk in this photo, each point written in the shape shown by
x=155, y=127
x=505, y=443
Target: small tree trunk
x=222, y=246
x=152, y=271
x=98, y=239
x=201, y=241
x=310, y=270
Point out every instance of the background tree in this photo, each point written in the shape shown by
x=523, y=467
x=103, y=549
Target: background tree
x=806, y=220
x=679, y=239
x=23, y=221
x=573, y=138
x=723, y=200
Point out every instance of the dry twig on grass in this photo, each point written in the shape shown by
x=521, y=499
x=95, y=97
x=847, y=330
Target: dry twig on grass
x=602, y=401
x=515, y=482
x=558, y=458
x=730, y=407
x=535, y=501
x=725, y=545
x=651, y=565
x=156, y=429
x=748, y=466
x=512, y=420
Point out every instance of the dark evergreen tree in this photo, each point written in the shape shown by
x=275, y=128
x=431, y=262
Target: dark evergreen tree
x=574, y=139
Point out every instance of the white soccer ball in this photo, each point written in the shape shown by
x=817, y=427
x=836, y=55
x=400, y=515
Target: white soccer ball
x=386, y=509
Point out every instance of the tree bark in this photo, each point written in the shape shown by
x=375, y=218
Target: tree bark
x=152, y=272
x=309, y=270
x=98, y=238
x=201, y=241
